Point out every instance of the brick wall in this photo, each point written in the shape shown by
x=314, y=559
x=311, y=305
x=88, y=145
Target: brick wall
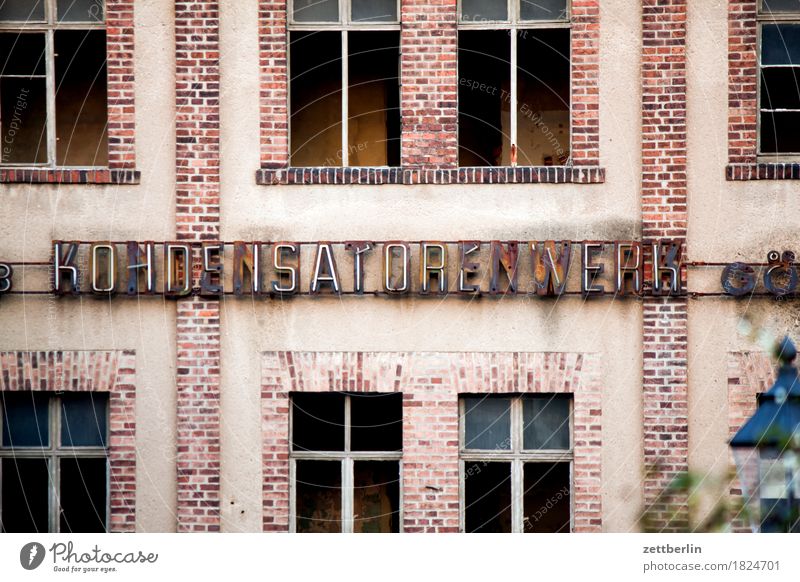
x=431, y=383
x=90, y=371
x=742, y=81
x=197, y=219
x=274, y=75
x=585, y=54
x=120, y=70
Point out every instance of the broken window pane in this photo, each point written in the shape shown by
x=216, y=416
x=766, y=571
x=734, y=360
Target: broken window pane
x=780, y=44
x=83, y=495
x=487, y=495
x=484, y=71
x=21, y=10
x=546, y=498
x=22, y=54
x=376, y=497
x=316, y=98
x=80, y=11
x=374, y=98
x=780, y=132
x=543, y=9
x=482, y=10
x=81, y=105
x=374, y=10
x=780, y=6
x=545, y=422
x=83, y=419
x=376, y=422
x=318, y=422
x=25, y=419
x=780, y=88
x=318, y=486
x=487, y=423
x=316, y=10
x=24, y=495
x=543, y=97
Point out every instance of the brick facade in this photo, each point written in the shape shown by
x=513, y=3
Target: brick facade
x=742, y=81
x=431, y=383
x=90, y=371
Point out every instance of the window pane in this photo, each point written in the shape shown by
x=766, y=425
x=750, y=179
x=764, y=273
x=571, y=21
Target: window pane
x=482, y=10
x=780, y=132
x=487, y=423
x=24, y=495
x=376, y=497
x=81, y=104
x=80, y=11
x=21, y=10
x=543, y=9
x=83, y=419
x=83, y=495
x=484, y=70
x=780, y=44
x=318, y=422
x=318, y=486
x=25, y=419
x=23, y=120
x=316, y=10
x=487, y=495
x=545, y=421
x=374, y=10
x=546, y=498
x=22, y=54
x=543, y=97
x=374, y=98
x=780, y=88
x=376, y=422
x=780, y=6
x=316, y=98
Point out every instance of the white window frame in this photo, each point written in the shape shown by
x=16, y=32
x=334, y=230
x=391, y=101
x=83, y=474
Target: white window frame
x=516, y=456
x=53, y=454
x=772, y=18
x=346, y=458
x=48, y=27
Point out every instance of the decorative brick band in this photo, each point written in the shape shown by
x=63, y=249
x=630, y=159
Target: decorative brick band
x=121, y=94
x=57, y=176
x=378, y=176
x=742, y=81
x=770, y=171
x=90, y=371
x=430, y=383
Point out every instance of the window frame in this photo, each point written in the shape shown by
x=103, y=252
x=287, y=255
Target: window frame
x=762, y=18
x=48, y=27
x=517, y=456
x=346, y=459
x=55, y=452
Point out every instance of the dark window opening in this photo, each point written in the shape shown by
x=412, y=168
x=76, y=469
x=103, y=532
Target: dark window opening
x=780, y=88
x=25, y=495
x=83, y=495
x=487, y=497
x=318, y=486
x=318, y=422
x=377, y=422
x=546, y=502
x=376, y=497
x=25, y=419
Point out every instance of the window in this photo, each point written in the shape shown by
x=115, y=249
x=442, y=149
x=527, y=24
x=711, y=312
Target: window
x=344, y=59
x=779, y=92
x=516, y=463
x=514, y=83
x=345, y=462
x=53, y=462
x=53, y=106
x=776, y=508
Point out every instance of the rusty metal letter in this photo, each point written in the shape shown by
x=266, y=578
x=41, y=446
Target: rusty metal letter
x=138, y=260
x=550, y=262
x=358, y=248
x=244, y=258
x=103, y=266
x=666, y=263
x=6, y=273
x=427, y=270
x=590, y=271
x=781, y=269
x=64, y=262
x=211, y=277
x=177, y=269
x=628, y=264
x=738, y=279
x=466, y=268
x=402, y=283
x=325, y=271
x=505, y=256
x=279, y=252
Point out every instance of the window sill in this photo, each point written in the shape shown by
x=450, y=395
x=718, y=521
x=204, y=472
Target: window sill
x=763, y=171
x=68, y=176
x=406, y=176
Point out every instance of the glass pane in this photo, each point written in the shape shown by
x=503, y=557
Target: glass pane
x=780, y=44
x=374, y=10
x=25, y=487
x=543, y=9
x=83, y=419
x=780, y=88
x=781, y=6
x=23, y=120
x=546, y=498
x=483, y=10
x=318, y=486
x=318, y=422
x=25, y=419
x=780, y=132
x=21, y=10
x=80, y=11
x=81, y=103
x=316, y=98
x=316, y=10
x=376, y=497
x=376, y=422
x=83, y=495
x=487, y=423
x=374, y=99
x=545, y=421
x=543, y=97
x=487, y=495
x=484, y=70
x=22, y=54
